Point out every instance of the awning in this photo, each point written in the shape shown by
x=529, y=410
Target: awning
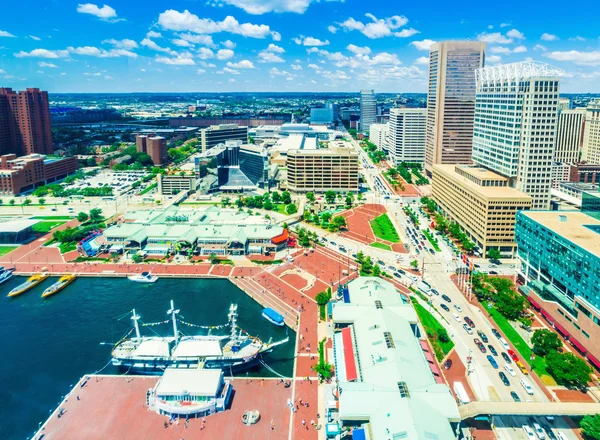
x=349, y=359
x=578, y=345
x=546, y=315
x=595, y=362
x=561, y=330
x=359, y=434
x=534, y=303
x=280, y=238
x=429, y=357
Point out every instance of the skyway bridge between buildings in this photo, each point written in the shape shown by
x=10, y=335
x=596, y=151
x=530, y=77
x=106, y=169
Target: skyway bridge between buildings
x=474, y=409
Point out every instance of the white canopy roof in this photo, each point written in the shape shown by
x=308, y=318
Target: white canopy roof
x=194, y=382
x=197, y=348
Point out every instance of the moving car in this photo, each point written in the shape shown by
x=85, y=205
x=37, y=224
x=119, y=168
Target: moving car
x=504, y=343
x=492, y=350
x=539, y=431
x=506, y=358
x=468, y=329
x=496, y=333
x=515, y=396
x=513, y=355
x=457, y=317
x=469, y=321
x=446, y=298
x=492, y=361
x=528, y=432
x=458, y=308
x=510, y=370
x=435, y=292
x=522, y=367
x=483, y=336
x=527, y=386
x=504, y=379
x=444, y=307
x=480, y=345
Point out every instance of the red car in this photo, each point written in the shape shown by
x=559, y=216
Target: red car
x=513, y=355
x=470, y=322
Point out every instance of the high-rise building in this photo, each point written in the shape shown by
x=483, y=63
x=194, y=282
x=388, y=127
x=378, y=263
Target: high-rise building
x=377, y=135
x=591, y=137
x=564, y=103
x=569, y=135
x=323, y=115
x=25, y=122
x=368, y=109
x=219, y=134
x=406, y=135
x=515, y=125
x=451, y=101
x=156, y=147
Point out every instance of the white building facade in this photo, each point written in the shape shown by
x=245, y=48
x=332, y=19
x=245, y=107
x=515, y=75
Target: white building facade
x=591, y=137
x=516, y=116
x=569, y=135
x=407, y=135
x=368, y=109
x=377, y=135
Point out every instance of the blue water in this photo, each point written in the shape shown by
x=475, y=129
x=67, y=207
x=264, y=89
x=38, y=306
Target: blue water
x=47, y=345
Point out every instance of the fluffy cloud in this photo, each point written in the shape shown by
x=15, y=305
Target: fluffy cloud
x=181, y=43
x=310, y=41
x=296, y=67
x=577, y=38
x=423, y=44
x=205, y=53
x=493, y=59
x=423, y=61
x=404, y=33
x=153, y=34
x=6, y=34
x=101, y=53
x=258, y=7
x=184, y=59
x=517, y=35
x=224, y=54
x=577, y=57
x=548, y=37
x=204, y=40
x=539, y=47
x=332, y=29
x=228, y=44
x=33, y=37
x=122, y=44
x=494, y=37
x=358, y=50
x=186, y=21
x=244, y=64
x=43, y=53
x=45, y=64
x=104, y=13
x=231, y=71
x=506, y=50
x=269, y=55
x=376, y=28
x=147, y=42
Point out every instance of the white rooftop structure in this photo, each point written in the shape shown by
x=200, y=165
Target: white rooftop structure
x=17, y=225
x=515, y=72
x=153, y=348
x=295, y=142
x=193, y=382
x=190, y=347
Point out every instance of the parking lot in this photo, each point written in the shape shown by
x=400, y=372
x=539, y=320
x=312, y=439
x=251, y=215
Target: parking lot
x=120, y=182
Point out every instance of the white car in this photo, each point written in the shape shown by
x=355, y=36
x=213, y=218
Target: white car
x=539, y=431
x=458, y=308
x=504, y=344
x=529, y=432
x=525, y=384
x=561, y=436
x=510, y=370
x=458, y=318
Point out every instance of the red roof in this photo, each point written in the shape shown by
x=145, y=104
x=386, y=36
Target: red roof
x=280, y=238
x=349, y=359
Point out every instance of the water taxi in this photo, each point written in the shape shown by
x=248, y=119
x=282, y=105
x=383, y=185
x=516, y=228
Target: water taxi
x=273, y=317
x=62, y=282
x=5, y=274
x=31, y=282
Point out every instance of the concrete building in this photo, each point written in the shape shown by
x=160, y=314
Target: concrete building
x=406, y=136
x=23, y=174
x=172, y=184
x=377, y=135
x=153, y=146
x=254, y=163
x=576, y=189
x=324, y=115
x=584, y=172
x=569, y=135
x=25, y=122
x=451, y=101
x=218, y=134
x=560, y=266
x=334, y=168
x=319, y=132
x=564, y=103
x=183, y=121
x=388, y=383
x=368, y=109
x=481, y=202
x=515, y=125
x=561, y=172
x=591, y=138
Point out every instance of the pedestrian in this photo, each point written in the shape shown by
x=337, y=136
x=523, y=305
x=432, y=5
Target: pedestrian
x=272, y=425
x=78, y=398
x=303, y=422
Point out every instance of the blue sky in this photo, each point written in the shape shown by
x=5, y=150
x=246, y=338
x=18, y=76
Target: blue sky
x=279, y=45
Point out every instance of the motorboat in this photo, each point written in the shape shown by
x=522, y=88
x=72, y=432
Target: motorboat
x=31, y=282
x=62, y=282
x=5, y=274
x=273, y=317
x=144, y=277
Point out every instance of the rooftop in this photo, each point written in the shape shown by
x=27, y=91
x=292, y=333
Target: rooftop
x=195, y=382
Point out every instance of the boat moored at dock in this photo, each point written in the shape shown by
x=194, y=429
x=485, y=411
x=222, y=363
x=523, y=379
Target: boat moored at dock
x=144, y=277
x=5, y=274
x=62, y=282
x=273, y=317
x=31, y=282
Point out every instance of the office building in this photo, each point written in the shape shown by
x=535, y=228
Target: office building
x=282, y=131
x=406, y=136
x=377, y=135
x=591, y=136
x=388, y=382
x=561, y=172
x=334, y=168
x=564, y=103
x=218, y=134
x=368, y=109
x=173, y=184
x=451, y=101
x=183, y=121
x=569, y=135
x=23, y=174
x=516, y=116
x=25, y=122
x=323, y=115
x=560, y=266
x=254, y=163
x=586, y=173
x=156, y=148
x=481, y=202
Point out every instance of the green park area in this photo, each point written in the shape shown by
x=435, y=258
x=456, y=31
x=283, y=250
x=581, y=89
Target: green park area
x=383, y=246
x=44, y=227
x=436, y=333
x=6, y=249
x=384, y=229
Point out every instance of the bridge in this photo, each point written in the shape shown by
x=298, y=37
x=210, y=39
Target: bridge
x=475, y=409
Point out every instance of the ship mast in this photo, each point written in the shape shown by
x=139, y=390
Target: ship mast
x=173, y=314
x=233, y=321
x=135, y=319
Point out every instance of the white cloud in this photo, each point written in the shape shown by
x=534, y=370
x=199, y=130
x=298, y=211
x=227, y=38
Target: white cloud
x=424, y=61
x=258, y=7
x=494, y=37
x=269, y=55
x=275, y=49
x=577, y=57
x=231, y=71
x=332, y=29
x=274, y=71
x=539, y=47
x=33, y=37
x=122, y=44
x=377, y=28
x=296, y=67
x=153, y=34
x=186, y=21
x=548, y=37
x=231, y=80
x=181, y=43
x=6, y=34
x=108, y=77
x=517, y=35
x=228, y=44
x=104, y=13
x=45, y=64
x=404, y=33
x=276, y=36
x=147, y=42
x=493, y=59
x=507, y=50
x=101, y=53
x=519, y=49
x=205, y=40
x=43, y=53
x=200, y=71
x=224, y=54
x=577, y=38
x=184, y=59
x=205, y=53
x=504, y=25
x=314, y=66
x=423, y=44
x=310, y=41
x=244, y=64
x=359, y=50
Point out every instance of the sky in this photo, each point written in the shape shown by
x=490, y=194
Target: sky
x=280, y=45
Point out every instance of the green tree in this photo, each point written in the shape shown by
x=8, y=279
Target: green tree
x=414, y=264
x=310, y=196
x=591, y=426
x=441, y=224
x=544, y=341
x=268, y=205
x=376, y=270
x=11, y=202
x=493, y=254
x=510, y=305
x=41, y=201
x=291, y=209
x=360, y=257
x=276, y=197
x=82, y=217
x=27, y=202
x=96, y=215
x=325, y=217
x=137, y=258
x=339, y=221
x=323, y=298
x=286, y=198
x=213, y=259
x=568, y=369
x=330, y=197
x=359, y=197
x=367, y=265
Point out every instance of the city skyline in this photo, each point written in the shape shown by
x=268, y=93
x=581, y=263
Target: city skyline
x=275, y=45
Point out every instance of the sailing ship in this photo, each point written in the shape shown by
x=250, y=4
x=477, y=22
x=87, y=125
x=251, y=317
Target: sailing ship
x=152, y=354
x=31, y=282
x=62, y=282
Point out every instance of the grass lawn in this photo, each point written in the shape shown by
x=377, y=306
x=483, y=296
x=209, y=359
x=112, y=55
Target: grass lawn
x=6, y=249
x=47, y=226
x=383, y=246
x=280, y=208
x=432, y=326
x=149, y=188
x=383, y=228
x=431, y=240
x=67, y=247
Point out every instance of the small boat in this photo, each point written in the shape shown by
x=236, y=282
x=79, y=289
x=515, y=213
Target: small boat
x=144, y=277
x=31, y=282
x=250, y=417
x=273, y=317
x=5, y=274
x=62, y=282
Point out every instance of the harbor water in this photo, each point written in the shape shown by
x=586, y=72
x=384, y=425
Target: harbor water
x=48, y=344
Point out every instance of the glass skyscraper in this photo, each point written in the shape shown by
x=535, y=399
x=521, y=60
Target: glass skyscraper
x=368, y=109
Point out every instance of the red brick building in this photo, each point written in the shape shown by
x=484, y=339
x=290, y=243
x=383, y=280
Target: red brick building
x=25, y=122
x=153, y=146
x=22, y=174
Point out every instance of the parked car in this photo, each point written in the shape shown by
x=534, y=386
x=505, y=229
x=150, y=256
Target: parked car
x=397, y=275
x=504, y=343
x=513, y=355
x=457, y=317
x=515, y=396
x=506, y=358
x=492, y=350
x=381, y=263
x=444, y=307
x=493, y=272
x=431, y=251
x=446, y=298
x=435, y=292
x=539, y=431
x=468, y=329
x=528, y=432
x=469, y=321
x=492, y=361
x=496, y=333
x=527, y=386
x=448, y=364
x=504, y=379
x=483, y=336
x=401, y=271
x=522, y=367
